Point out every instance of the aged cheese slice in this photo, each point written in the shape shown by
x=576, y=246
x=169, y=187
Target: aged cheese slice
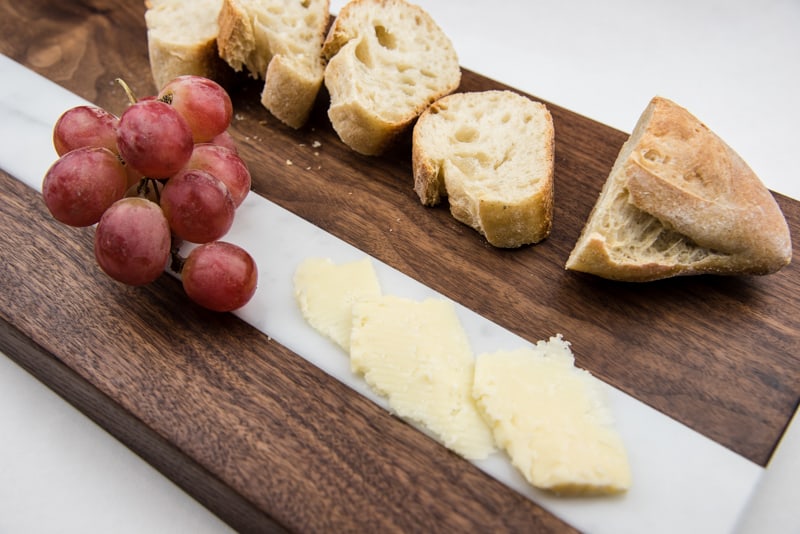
x=325, y=293
x=417, y=354
x=552, y=418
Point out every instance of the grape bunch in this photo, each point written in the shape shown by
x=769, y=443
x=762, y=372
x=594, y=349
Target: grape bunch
x=165, y=171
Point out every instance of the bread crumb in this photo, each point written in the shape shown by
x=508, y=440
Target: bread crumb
x=239, y=117
x=289, y=162
x=316, y=144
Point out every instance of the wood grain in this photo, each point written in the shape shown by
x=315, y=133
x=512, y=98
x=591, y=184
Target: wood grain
x=718, y=354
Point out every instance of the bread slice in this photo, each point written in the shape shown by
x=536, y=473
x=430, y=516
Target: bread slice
x=679, y=201
x=182, y=39
x=279, y=42
x=491, y=153
x=387, y=61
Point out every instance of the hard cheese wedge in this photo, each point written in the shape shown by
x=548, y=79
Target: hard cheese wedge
x=417, y=355
x=552, y=419
x=325, y=293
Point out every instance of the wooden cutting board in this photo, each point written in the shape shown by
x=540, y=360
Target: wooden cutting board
x=264, y=438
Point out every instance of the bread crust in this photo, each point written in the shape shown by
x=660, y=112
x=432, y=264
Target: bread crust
x=675, y=172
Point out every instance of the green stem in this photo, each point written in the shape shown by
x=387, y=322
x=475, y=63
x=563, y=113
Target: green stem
x=128, y=91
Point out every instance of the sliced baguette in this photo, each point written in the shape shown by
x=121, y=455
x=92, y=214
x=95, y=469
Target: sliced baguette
x=387, y=61
x=679, y=201
x=182, y=39
x=491, y=154
x=279, y=42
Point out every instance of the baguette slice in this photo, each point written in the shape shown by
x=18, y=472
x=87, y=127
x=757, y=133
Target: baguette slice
x=387, y=61
x=281, y=42
x=182, y=39
x=679, y=201
x=491, y=153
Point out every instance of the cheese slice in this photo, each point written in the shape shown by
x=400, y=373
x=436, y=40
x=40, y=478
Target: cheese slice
x=325, y=293
x=417, y=354
x=552, y=418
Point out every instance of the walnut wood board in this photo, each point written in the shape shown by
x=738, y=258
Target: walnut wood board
x=264, y=438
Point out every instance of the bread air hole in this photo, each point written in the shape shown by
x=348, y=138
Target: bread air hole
x=385, y=38
x=363, y=55
x=466, y=134
x=655, y=156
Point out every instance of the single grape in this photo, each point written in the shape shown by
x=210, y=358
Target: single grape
x=82, y=184
x=225, y=165
x=154, y=139
x=225, y=139
x=220, y=276
x=204, y=104
x=132, y=241
x=198, y=206
x=85, y=126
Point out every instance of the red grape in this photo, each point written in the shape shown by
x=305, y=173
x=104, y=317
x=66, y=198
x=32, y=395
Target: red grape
x=132, y=241
x=225, y=165
x=82, y=184
x=85, y=126
x=225, y=139
x=198, y=206
x=220, y=276
x=154, y=139
x=202, y=102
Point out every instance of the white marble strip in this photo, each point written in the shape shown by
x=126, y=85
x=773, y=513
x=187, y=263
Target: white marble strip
x=683, y=481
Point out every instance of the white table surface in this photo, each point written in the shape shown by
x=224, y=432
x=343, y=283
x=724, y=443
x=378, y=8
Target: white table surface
x=734, y=64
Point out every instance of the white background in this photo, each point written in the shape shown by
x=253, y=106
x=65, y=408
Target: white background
x=734, y=64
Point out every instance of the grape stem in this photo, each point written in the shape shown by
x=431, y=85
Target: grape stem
x=144, y=188
x=128, y=91
x=177, y=261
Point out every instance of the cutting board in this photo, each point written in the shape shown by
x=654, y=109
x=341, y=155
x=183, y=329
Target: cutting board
x=264, y=438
